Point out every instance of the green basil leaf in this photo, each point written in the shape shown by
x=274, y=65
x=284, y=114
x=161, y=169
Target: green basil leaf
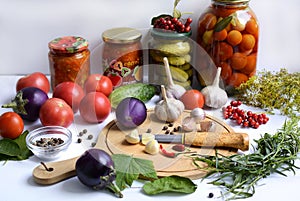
x=14, y=149
x=9, y=147
x=129, y=169
x=222, y=24
x=170, y=184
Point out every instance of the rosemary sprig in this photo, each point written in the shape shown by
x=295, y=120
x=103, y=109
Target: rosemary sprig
x=239, y=174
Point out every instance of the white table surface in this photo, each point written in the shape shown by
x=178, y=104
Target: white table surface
x=16, y=182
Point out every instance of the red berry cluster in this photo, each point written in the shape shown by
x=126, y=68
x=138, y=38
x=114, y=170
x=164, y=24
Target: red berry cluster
x=242, y=117
x=173, y=24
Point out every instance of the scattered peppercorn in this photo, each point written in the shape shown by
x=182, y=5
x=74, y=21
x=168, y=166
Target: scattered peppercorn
x=171, y=125
x=90, y=137
x=210, y=195
x=93, y=144
x=79, y=140
x=165, y=128
x=84, y=131
x=46, y=142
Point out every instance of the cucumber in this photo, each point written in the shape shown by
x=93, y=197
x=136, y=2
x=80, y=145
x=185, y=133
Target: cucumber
x=141, y=91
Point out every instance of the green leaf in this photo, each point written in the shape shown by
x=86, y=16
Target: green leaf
x=176, y=13
x=129, y=169
x=14, y=149
x=21, y=141
x=170, y=184
x=9, y=147
x=222, y=24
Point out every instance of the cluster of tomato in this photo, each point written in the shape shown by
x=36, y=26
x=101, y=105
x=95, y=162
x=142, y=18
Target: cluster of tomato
x=91, y=100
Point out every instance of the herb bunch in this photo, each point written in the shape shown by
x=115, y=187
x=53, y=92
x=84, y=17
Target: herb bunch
x=273, y=90
x=239, y=174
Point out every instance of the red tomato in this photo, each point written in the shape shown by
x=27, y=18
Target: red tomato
x=70, y=92
x=98, y=83
x=192, y=99
x=94, y=107
x=11, y=125
x=37, y=79
x=56, y=112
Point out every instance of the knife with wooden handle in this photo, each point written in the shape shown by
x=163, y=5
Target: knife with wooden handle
x=208, y=139
x=61, y=170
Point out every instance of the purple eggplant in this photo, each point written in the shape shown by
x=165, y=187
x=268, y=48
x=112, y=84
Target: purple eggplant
x=95, y=168
x=27, y=103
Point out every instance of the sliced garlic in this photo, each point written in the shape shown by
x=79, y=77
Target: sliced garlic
x=133, y=137
x=152, y=147
x=146, y=137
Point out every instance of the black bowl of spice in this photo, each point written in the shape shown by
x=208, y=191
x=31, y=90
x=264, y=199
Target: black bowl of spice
x=49, y=141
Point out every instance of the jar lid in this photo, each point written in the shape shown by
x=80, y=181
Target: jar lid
x=169, y=35
x=121, y=35
x=68, y=44
x=231, y=1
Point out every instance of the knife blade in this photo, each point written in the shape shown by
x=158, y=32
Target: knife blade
x=207, y=139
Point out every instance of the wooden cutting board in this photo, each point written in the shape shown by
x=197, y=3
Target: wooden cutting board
x=113, y=141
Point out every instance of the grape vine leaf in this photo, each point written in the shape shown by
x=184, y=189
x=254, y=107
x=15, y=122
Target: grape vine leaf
x=129, y=169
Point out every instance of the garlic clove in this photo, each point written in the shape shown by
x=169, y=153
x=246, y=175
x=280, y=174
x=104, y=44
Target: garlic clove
x=198, y=114
x=146, y=137
x=133, y=137
x=152, y=147
x=189, y=124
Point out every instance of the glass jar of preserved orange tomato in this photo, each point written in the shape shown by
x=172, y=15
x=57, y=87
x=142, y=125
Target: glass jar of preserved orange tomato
x=122, y=56
x=228, y=31
x=69, y=60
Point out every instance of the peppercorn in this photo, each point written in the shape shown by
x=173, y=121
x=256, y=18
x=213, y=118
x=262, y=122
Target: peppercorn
x=210, y=195
x=90, y=137
x=79, y=140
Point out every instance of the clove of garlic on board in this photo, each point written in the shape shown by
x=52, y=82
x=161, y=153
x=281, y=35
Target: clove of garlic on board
x=214, y=96
x=133, y=137
x=152, y=147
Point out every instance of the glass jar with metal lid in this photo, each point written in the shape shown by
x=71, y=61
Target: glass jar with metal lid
x=177, y=47
x=69, y=60
x=228, y=30
x=122, y=57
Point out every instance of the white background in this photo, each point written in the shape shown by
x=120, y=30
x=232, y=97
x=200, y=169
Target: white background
x=26, y=27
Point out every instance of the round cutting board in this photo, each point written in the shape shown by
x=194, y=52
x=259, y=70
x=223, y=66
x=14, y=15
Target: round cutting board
x=113, y=141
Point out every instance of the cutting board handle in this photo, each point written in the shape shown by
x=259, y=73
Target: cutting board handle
x=53, y=172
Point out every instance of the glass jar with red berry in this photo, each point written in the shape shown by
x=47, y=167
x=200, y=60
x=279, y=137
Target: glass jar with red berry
x=228, y=31
x=170, y=37
x=69, y=60
x=122, y=56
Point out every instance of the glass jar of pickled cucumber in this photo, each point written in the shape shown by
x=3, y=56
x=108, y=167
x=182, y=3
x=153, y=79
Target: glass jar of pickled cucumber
x=177, y=48
x=228, y=31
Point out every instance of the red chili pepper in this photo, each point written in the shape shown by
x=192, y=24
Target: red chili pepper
x=167, y=153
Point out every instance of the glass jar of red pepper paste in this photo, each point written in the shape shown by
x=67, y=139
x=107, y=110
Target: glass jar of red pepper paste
x=228, y=30
x=69, y=60
x=122, y=57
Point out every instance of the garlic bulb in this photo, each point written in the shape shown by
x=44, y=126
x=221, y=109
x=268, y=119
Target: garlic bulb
x=168, y=109
x=173, y=90
x=214, y=96
x=152, y=147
